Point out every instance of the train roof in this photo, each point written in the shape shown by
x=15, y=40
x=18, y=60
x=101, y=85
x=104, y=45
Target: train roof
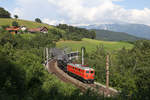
x=81, y=66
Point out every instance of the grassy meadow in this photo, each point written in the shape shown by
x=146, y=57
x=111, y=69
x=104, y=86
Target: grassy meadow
x=29, y=24
x=91, y=45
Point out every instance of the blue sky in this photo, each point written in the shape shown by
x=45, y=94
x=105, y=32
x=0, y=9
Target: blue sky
x=8, y=4
x=81, y=12
x=128, y=4
x=134, y=4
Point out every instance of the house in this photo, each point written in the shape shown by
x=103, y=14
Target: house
x=38, y=30
x=23, y=28
x=13, y=29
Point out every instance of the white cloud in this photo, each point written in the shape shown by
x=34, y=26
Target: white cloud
x=18, y=11
x=53, y=22
x=80, y=12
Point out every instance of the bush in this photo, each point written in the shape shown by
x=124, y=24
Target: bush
x=14, y=23
x=38, y=20
x=4, y=13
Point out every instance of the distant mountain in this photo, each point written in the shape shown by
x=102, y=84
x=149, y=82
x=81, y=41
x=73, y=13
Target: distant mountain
x=138, y=30
x=114, y=36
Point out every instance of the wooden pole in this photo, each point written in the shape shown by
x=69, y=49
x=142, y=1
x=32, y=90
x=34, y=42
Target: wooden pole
x=82, y=56
x=44, y=55
x=77, y=55
x=107, y=72
x=47, y=58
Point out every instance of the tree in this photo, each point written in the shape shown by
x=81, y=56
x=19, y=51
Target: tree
x=4, y=13
x=38, y=20
x=16, y=16
x=14, y=23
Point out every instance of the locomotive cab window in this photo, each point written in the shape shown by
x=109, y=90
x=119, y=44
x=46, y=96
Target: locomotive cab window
x=87, y=71
x=92, y=72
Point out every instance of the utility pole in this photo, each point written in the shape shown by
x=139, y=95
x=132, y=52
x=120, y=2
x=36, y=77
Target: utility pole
x=107, y=72
x=77, y=54
x=44, y=55
x=82, y=56
x=47, y=58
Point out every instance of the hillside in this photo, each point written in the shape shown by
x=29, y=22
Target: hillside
x=114, y=36
x=29, y=24
x=138, y=30
x=91, y=45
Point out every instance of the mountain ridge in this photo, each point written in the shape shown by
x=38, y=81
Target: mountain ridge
x=115, y=36
x=138, y=30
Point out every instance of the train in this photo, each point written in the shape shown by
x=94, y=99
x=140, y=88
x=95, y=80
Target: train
x=83, y=73
x=78, y=71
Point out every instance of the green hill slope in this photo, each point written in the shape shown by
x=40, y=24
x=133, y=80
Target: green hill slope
x=114, y=36
x=92, y=44
x=29, y=24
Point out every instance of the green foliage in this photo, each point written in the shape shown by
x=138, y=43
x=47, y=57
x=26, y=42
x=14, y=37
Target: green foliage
x=91, y=45
x=4, y=13
x=38, y=20
x=74, y=33
x=12, y=80
x=23, y=77
x=129, y=70
x=22, y=74
x=97, y=60
x=114, y=36
x=14, y=23
x=28, y=24
x=16, y=16
x=3, y=27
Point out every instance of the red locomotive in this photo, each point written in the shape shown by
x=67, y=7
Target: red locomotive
x=81, y=72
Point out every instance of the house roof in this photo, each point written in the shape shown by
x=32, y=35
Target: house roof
x=12, y=28
x=36, y=29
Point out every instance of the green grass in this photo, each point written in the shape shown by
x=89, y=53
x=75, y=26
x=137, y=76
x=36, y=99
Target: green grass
x=29, y=24
x=91, y=45
x=28, y=36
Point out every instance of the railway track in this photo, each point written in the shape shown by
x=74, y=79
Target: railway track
x=96, y=87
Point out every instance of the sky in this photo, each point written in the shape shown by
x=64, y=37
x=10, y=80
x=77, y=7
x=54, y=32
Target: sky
x=81, y=12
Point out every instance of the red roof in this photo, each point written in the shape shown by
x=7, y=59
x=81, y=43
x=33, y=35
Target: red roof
x=36, y=29
x=12, y=28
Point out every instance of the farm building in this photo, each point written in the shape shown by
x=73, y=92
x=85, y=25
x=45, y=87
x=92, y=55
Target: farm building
x=40, y=30
x=13, y=29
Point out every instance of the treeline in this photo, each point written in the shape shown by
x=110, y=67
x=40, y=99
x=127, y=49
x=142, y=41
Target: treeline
x=129, y=69
x=115, y=36
x=74, y=33
x=4, y=13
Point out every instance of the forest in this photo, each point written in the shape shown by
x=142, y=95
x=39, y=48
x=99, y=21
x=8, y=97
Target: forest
x=75, y=33
x=107, y=35
x=129, y=69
